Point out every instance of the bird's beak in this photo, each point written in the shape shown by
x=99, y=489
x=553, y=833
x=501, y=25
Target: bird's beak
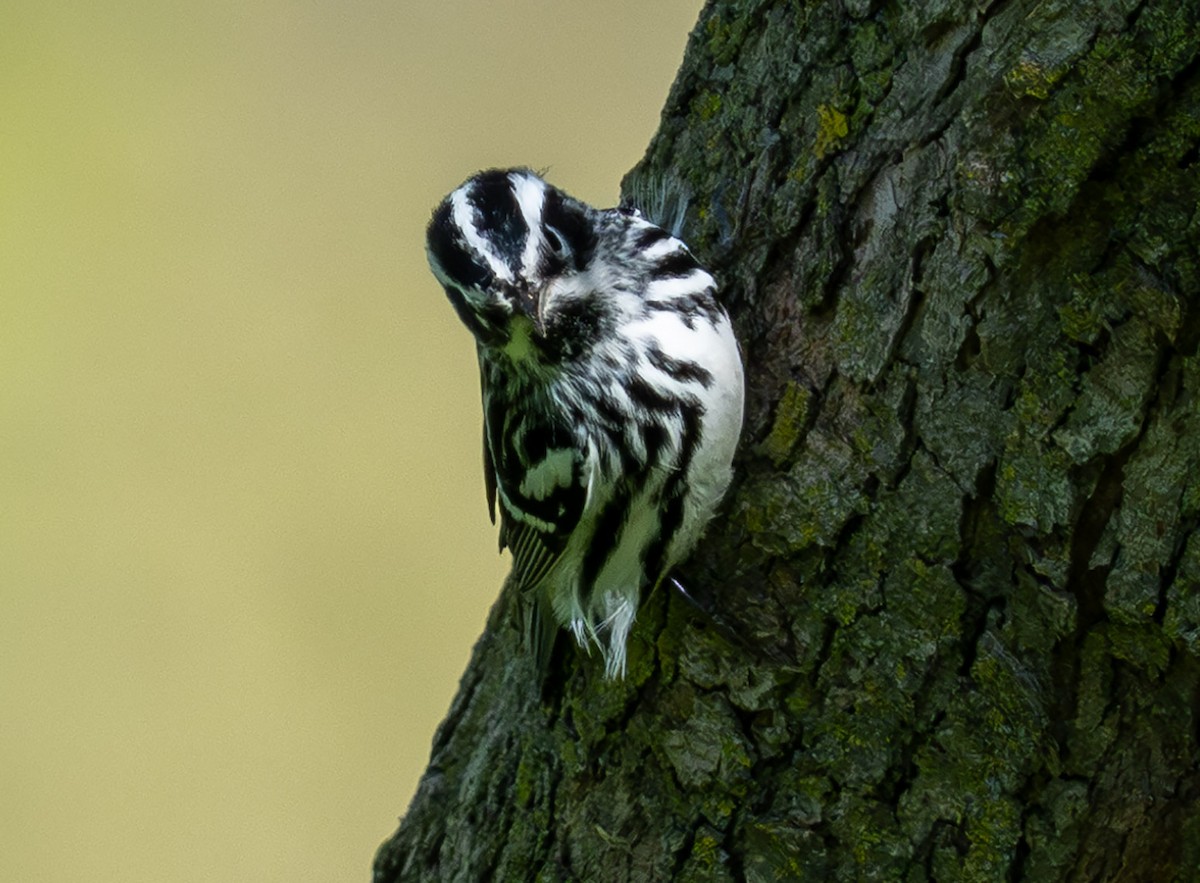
x=529, y=304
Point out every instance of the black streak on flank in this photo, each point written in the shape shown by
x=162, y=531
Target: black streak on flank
x=612, y=417
x=614, y=422
x=654, y=439
x=689, y=307
x=648, y=398
x=606, y=536
x=649, y=236
x=676, y=264
x=673, y=492
x=679, y=369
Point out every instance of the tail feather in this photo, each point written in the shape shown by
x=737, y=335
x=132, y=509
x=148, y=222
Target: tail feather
x=541, y=633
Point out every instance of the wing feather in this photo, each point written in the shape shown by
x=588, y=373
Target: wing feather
x=489, y=468
x=533, y=467
x=534, y=554
x=489, y=482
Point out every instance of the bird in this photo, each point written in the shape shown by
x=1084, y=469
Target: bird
x=612, y=387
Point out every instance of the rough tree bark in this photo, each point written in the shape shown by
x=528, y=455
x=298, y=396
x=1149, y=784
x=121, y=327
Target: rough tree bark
x=959, y=241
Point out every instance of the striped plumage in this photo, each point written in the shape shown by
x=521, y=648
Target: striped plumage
x=612, y=395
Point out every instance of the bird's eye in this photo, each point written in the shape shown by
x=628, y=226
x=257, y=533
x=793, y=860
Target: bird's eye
x=571, y=226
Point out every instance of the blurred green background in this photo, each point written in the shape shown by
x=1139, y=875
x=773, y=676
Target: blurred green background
x=244, y=551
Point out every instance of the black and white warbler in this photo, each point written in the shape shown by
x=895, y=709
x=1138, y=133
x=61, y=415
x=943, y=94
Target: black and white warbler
x=612, y=395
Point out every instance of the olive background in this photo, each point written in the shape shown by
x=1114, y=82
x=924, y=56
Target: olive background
x=244, y=550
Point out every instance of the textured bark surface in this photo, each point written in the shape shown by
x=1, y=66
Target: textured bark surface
x=959, y=242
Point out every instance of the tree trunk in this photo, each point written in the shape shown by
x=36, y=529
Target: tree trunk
x=960, y=245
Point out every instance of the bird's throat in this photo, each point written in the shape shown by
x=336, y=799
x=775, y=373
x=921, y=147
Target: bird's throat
x=521, y=347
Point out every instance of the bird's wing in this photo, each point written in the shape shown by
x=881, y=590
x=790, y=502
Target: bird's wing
x=540, y=502
x=534, y=469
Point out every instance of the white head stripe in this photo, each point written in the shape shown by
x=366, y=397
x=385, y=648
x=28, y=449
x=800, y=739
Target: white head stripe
x=464, y=220
x=531, y=196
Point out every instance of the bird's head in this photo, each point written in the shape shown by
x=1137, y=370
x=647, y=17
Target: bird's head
x=513, y=254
